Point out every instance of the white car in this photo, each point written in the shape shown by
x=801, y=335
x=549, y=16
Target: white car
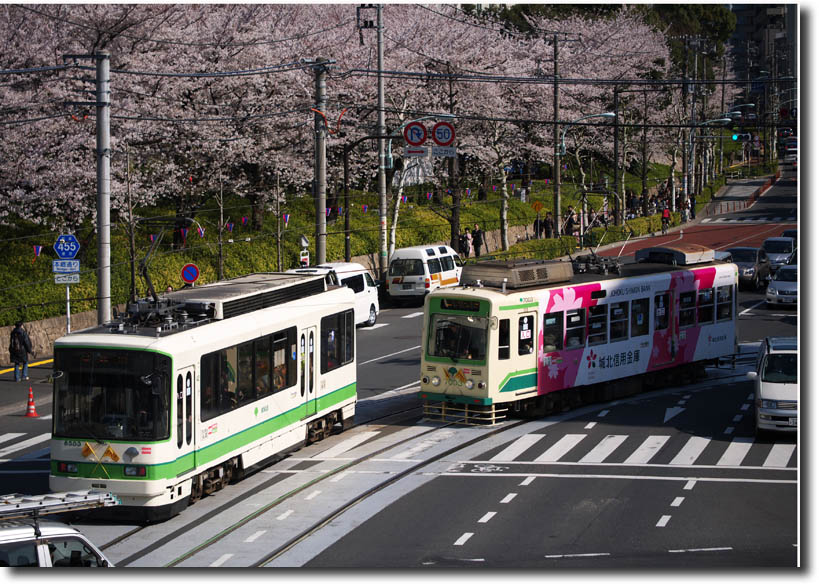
x=58, y=545
x=777, y=385
x=356, y=277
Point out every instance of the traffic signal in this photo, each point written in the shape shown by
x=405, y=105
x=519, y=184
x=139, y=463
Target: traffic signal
x=741, y=137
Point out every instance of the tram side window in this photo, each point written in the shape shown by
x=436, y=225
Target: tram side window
x=526, y=334
x=661, y=310
x=503, y=339
x=261, y=366
x=209, y=380
x=245, y=389
x=639, y=317
x=284, y=359
x=336, y=341
x=553, y=331
x=705, y=305
x=575, y=328
x=598, y=324
x=725, y=299
x=619, y=320
x=688, y=309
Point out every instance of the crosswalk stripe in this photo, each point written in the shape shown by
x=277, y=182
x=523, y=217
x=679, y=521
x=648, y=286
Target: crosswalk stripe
x=24, y=444
x=346, y=445
x=692, y=449
x=650, y=447
x=6, y=437
x=779, y=455
x=736, y=451
x=604, y=448
x=411, y=315
x=559, y=449
x=518, y=447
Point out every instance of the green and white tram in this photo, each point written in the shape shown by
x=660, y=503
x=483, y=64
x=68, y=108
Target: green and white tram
x=186, y=392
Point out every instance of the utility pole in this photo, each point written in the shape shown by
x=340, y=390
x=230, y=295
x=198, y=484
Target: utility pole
x=617, y=206
x=320, y=171
x=722, y=112
x=382, y=162
x=556, y=157
x=103, y=187
x=131, y=239
x=279, y=226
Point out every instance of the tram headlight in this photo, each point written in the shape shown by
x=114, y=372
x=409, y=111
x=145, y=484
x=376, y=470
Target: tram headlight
x=436, y=381
x=469, y=384
x=134, y=471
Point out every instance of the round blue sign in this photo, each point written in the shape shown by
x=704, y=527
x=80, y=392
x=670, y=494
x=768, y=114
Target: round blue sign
x=190, y=272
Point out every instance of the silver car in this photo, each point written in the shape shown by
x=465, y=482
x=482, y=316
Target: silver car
x=778, y=251
x=782, y=290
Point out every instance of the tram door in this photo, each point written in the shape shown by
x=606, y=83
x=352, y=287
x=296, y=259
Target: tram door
x=185, y=441
x=308, y=367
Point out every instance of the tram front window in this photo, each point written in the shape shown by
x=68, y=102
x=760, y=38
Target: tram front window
x=458, y=337
x=111, y=395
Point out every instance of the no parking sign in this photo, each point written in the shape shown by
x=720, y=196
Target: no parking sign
x=190, y=272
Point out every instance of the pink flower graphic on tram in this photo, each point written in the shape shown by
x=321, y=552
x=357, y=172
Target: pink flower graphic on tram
x=566, y=302
x=553, y=370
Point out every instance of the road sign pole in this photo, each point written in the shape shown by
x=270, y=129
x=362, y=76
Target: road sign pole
x=67, y=309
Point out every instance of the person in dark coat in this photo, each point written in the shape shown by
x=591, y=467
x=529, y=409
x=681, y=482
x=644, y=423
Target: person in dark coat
x=477, y=240
x=19, y=348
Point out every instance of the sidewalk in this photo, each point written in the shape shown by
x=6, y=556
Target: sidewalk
x=14, y=395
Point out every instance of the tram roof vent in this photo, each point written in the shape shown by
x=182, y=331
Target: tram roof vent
x=517, y=273
x=679, y=254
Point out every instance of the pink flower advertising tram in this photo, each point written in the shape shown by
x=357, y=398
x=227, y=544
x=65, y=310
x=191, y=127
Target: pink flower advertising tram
x=531, y=337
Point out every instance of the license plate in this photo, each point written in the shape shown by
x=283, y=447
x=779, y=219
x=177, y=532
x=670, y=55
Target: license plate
x=792, y=422
x=406, y=286
x=787, y=300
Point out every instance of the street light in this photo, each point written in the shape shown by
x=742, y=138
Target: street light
x=563, y=135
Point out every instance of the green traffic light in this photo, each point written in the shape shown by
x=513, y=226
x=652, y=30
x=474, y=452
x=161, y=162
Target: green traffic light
x=735, y=137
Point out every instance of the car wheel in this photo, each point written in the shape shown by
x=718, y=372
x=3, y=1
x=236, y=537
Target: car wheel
x=373, y=316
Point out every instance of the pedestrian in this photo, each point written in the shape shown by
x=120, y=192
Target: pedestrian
x=548, y=225
x=536, y=227
x=692, y=208
x=477, y=240
x=468, y=236
x=570, y=220
x=19, y=348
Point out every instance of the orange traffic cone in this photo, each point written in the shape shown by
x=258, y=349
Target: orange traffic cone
x=31, y=410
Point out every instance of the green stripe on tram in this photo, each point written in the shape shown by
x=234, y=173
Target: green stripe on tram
x=519, y=380
x=171, y=469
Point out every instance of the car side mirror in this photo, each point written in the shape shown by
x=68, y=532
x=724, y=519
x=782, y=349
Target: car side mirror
x=751, y=375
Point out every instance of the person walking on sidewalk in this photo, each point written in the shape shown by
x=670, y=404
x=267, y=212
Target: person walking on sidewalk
x=477, y=240
x=19, y=348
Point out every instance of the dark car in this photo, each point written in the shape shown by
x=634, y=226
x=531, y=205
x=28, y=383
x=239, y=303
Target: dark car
x=778, y=250
x=753, y=264
x=790, y=234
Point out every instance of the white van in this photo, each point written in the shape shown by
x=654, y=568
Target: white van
x=776, y=385
x=418, y=270
x=356, y=277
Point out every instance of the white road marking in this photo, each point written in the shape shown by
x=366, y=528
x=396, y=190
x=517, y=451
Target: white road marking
x=517, y=447
x=376, y=326
x=751, y=308
x=464, y=537
x=632, y=477
x=779, y=456
x=486, y=517
x=728, y=431
x=603, y=413
x=677, y=501
x=46, y=417
x=508, y=498
x=712, y=549
x=750, y=397
x=690, y=485
x=744, y=407
x=4, y=438
x=559, y=449
x=340, y=476
x=218, y=562
x=528, y=480
x=590, y=426
x=313, y=494
x=692, y=449
x=285, y=515
x=737, y=418
x=413, y=315
x=663, y=521
x=650, y=447
x=389, y=355
x=24, y=444
x=254, y=536
x=736, y=451
x=604, y=448
x=570, y=556
x=346, y=445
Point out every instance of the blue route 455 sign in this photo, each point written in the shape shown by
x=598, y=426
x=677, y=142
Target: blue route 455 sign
x=66, y=246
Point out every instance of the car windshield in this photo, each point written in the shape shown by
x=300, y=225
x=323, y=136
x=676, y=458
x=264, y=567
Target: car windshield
x=784, y=275
x=458, y=337
x=778, y=246
x=780, y=368
x=107, y=394
x=407, y=267
x=740, y=255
